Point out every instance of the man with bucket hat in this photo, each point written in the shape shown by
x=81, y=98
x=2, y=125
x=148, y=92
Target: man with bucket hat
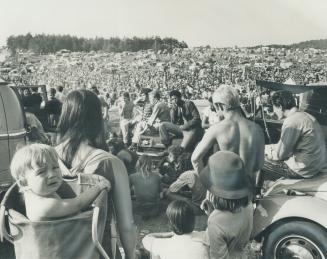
x=235, y=133
x=230, y=223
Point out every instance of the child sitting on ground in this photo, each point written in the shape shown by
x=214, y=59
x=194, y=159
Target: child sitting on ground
x=147, y=188
x=35, y=167
x=174, y=164
x=183, y=242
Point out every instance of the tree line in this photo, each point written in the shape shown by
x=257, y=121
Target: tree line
x=44, y=44
x=316, y=44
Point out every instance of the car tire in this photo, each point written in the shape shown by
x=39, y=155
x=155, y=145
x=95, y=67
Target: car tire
x=296, y=239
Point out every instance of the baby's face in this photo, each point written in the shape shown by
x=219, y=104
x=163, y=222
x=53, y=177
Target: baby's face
x=44, y=181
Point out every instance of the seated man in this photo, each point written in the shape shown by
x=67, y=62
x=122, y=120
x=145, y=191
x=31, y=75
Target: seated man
x=185, y=122
x=235, y=133
x=301, y=150
x=160, y=112
x=125, y=109
x=144, y=107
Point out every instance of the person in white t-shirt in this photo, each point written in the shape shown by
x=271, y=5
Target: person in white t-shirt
x=183, y=242
x=210, y=116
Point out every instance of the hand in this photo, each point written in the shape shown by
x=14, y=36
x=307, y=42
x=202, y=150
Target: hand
x=104, y=184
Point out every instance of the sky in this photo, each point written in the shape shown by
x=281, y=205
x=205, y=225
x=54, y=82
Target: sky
x=218, y=23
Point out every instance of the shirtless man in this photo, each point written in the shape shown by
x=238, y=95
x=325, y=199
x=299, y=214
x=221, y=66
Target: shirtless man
x=235, y=133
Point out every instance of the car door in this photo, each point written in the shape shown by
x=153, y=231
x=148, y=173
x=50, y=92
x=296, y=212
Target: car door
x=12, y=130
x=4, y=144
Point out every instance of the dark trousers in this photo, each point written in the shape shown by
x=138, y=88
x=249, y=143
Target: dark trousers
x=168, y=131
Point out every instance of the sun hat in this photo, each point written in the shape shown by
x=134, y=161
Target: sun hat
x=225, y=177
x=226, y=95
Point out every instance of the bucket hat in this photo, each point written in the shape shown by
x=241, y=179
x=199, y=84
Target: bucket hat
x=225, y=177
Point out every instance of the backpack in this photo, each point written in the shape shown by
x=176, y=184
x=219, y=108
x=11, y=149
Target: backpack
x=94, y=156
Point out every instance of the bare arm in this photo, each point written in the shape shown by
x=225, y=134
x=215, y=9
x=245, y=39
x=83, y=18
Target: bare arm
x=123, y=207
x=205, y=122
x=288, y=139
x=57, y=208
x=205, y=119
x=121, y=109
x=203, y=147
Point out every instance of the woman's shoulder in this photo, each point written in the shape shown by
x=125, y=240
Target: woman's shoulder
x=102, y=156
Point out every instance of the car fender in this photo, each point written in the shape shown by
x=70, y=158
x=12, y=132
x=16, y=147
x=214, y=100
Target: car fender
x=271, y=209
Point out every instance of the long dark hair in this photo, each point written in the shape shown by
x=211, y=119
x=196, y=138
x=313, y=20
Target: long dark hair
x=80, y=120
x=143, y=166
x=181, y=217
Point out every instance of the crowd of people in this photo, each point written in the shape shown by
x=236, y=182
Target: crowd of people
x=195, y=72
x=210, y=172
x=213, y=169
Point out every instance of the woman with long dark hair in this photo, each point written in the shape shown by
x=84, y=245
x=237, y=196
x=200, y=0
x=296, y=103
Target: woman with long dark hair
x=82, y=149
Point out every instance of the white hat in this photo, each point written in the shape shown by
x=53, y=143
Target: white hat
x=226, y=95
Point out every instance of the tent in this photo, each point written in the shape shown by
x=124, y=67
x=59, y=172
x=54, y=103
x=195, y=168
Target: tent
x=296, y=89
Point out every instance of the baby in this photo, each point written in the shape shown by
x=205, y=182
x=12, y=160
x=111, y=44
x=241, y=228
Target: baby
x=36, y=169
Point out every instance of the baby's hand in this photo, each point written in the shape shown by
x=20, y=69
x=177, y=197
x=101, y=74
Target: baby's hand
x=104, y=184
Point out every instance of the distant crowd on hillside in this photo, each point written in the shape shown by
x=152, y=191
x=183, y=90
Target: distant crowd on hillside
x=194, y=71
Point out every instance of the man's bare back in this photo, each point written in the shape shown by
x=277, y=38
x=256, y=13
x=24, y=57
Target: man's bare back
x=237, y=134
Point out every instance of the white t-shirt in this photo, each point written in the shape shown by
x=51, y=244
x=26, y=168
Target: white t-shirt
x=187, y=246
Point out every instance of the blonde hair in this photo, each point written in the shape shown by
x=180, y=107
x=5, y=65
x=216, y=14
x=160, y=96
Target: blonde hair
x=32, y=156
x=227, y=95
x=143, y=165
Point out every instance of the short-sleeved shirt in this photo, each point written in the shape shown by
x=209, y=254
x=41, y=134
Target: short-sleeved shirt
x=190, y=179
x=302, y=144
x=187, y=246
x=228, y=233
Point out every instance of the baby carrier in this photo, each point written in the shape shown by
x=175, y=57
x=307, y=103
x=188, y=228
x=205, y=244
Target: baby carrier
x=78, y=236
